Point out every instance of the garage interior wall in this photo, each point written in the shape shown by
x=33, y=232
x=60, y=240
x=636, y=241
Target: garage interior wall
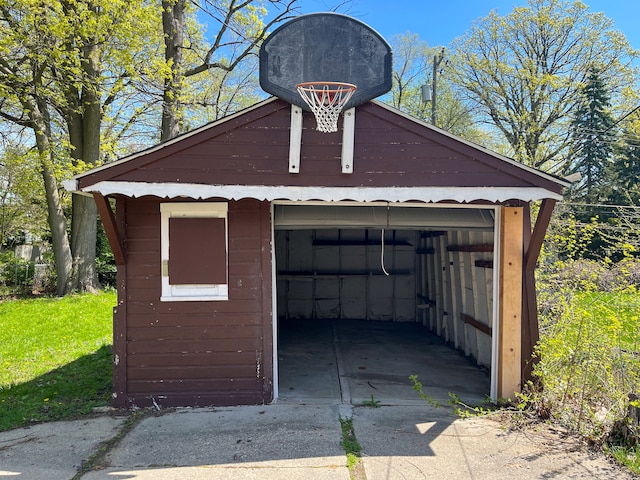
x=438, y=275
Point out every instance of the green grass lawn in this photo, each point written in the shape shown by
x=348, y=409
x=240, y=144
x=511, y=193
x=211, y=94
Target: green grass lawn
x=55, y=355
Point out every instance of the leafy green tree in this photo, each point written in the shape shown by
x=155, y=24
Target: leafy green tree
x=62, y=64
x=592, y=140
x=241, y=26
x=22, y=205
x=524, y=71
x=413, y=68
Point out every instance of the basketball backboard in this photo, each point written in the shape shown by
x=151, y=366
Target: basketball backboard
x=325, y=47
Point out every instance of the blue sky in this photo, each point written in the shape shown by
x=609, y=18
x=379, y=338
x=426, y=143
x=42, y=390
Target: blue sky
x=439, y=22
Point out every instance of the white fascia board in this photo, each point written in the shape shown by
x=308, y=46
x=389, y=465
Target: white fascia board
x=70, y=185
x=327, y=194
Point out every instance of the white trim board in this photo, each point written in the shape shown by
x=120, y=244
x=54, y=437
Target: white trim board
x=328, y=194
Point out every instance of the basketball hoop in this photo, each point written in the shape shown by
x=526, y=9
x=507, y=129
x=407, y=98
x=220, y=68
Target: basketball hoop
x=326, y=100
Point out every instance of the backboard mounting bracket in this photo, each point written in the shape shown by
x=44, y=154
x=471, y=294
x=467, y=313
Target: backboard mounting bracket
x=295, y=139
x=348, y=139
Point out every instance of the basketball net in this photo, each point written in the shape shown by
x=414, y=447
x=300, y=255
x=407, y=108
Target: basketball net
x=326, y=100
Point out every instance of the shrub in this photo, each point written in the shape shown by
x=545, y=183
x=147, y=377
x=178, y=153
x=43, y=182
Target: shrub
x=589, y=350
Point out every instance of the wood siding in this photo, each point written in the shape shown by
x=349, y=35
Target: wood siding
x=253, y=149
x=196, y=353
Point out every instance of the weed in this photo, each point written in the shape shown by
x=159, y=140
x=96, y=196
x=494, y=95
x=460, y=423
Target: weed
x=588, y=361
x=373, y=403
x=352, y=448
x=349, y=441
x=417, y=386
x=463, y=410
x=628, y=456
x=97, y=460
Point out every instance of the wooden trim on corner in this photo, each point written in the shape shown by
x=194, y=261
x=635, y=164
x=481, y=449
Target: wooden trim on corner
x=119, y=397
x=510, y=302
x=110, y=227
x=267, y=306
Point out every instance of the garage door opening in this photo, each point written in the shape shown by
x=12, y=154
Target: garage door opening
x=370, y=294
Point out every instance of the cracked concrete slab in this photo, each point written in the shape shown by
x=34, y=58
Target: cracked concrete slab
x=411, y=443
x=274, y=442
x=56, y=449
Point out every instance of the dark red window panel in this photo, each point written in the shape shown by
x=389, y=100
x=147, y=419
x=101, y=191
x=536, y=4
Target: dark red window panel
x=197, y=251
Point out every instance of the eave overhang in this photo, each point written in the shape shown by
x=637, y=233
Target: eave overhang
x=330, y=194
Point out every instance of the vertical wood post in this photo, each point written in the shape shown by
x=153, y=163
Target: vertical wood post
x=510, y=302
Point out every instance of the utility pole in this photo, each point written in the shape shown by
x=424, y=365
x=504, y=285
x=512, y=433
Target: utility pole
x=429, y=91
x=437, y=59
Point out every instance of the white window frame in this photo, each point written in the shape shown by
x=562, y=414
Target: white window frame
x=193, y=292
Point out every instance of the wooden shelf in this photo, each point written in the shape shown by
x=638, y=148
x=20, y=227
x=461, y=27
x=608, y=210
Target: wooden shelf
x=426, y=301
x=484, y=263
x=469, y=320
x=360, y=243
x=321, y=275
x=485, y=248
x=433, y=233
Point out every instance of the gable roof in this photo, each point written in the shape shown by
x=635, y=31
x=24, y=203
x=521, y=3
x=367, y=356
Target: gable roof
x=396, y=158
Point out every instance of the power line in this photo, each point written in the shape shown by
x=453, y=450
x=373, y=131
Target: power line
x=602, y=205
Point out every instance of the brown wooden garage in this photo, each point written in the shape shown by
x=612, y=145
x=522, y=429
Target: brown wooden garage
x=216, y=240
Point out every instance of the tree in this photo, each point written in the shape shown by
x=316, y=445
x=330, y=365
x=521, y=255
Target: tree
x=241, y=29
x=61, y=65
x=524, y=71
x=592, y=140
x=625, y=169
x=413, y=68
x=22, y=211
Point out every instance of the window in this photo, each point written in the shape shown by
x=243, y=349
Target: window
x=194, y=243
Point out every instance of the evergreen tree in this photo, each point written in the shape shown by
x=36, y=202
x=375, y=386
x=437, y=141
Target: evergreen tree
x=592, y=140
x=625, y=169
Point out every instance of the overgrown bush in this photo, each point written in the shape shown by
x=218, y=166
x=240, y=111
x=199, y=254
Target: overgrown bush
x=589, y=361
x=14, y=271
x=589, y=275
x=16, y=274
x=21, y=277
x=589, y=349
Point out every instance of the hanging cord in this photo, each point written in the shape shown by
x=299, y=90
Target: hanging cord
x=382, y=254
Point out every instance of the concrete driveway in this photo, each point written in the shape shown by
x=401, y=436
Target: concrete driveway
x=294, y=441
x=325, y=375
